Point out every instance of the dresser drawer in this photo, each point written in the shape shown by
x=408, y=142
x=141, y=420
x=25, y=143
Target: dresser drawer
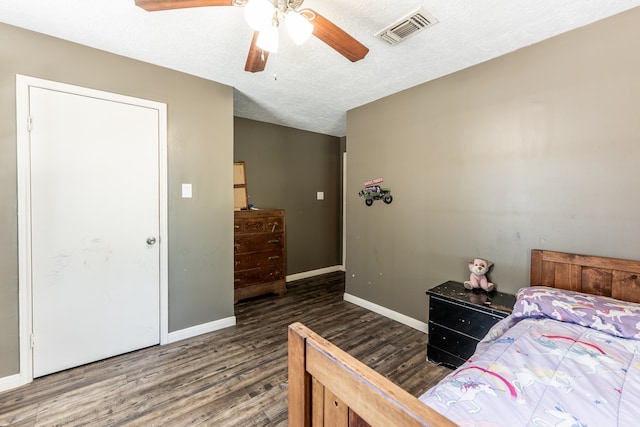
x=258, y=275
x=452, y=342
x=258, y=242
x=249, y=225
x=264, y=224
x=244, y=261
x=467, y=320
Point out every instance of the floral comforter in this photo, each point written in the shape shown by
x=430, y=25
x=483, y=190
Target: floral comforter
x=561, y=359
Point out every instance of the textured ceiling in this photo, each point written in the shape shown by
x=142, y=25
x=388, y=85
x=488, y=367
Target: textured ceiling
x=311, y=87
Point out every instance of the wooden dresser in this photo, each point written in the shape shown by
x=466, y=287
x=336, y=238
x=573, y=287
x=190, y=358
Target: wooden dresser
x=259, y=253
x=459, y=319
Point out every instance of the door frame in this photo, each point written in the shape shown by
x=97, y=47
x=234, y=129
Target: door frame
x=23, y=83
x=344, y=211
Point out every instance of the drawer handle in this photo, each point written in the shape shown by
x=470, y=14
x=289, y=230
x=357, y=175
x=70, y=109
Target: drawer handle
x=274, y=257
x=275, y=224
x=236, y=280
x=274, y=241
x=236, y=226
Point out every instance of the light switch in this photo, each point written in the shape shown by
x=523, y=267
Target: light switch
x=320, y=195
x=187, y=191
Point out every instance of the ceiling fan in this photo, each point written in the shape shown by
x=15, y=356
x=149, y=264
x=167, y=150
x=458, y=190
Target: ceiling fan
x=264, y=16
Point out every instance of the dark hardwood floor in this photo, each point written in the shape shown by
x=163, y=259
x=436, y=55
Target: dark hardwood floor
x=233, y=377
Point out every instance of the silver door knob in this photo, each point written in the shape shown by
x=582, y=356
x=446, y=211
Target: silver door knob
x=151, y=241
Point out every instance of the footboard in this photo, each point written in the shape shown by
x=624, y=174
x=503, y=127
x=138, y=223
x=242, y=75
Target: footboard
x=327, y=386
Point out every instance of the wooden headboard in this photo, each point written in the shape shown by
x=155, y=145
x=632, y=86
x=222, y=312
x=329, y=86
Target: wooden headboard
x=610, y=277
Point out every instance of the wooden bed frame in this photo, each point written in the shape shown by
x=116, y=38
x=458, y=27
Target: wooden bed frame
x=328, y=387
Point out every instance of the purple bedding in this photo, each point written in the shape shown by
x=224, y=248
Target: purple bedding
x=561, y=359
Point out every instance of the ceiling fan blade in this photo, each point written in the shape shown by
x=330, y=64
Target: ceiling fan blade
x=257, y=58
x=337, y=38
x=155, y=5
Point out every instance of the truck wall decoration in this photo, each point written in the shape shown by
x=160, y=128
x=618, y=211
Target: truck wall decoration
x=373, y=191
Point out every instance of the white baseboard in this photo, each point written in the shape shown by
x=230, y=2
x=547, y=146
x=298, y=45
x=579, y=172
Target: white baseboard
x=12, y=381
x=394, y=315
x=16, y=380
x=201, y=329
x=311, y=273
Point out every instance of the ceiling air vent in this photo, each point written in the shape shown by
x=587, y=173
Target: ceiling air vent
x=409, y=25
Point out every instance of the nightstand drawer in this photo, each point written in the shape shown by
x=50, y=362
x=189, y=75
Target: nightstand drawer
x=460, y=318
x=452, y=342
x=442, y=357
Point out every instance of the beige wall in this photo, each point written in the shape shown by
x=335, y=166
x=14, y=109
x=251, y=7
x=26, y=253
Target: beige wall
x=200, y=152
x=535, y=149
x=286, y=167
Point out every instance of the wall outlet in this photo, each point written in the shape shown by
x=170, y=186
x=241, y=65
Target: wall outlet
x=320, y=195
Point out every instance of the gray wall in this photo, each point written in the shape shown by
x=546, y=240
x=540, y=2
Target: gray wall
x=285, y=169
x=535, y=149
x=200, y=152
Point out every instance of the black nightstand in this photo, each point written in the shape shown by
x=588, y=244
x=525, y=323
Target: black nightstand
x=459, y=319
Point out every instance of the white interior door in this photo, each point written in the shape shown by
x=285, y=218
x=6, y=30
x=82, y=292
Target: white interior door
x=94, y=228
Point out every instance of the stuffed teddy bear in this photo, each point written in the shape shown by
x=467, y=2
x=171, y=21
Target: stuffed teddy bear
x=479, y=268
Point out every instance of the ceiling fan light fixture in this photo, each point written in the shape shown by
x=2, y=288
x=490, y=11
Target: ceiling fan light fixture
x=298, y=26
x=259, y=14
x=268, y=39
